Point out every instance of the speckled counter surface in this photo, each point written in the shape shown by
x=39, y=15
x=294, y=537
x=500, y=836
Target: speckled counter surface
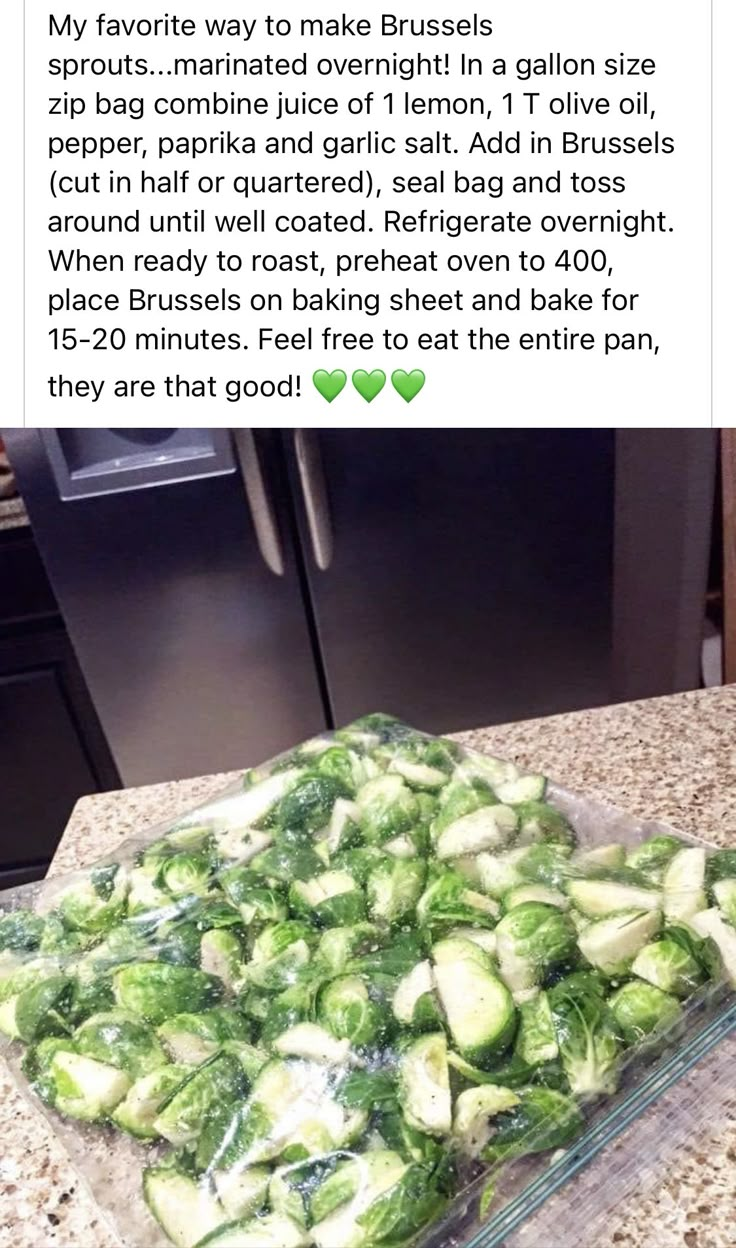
x=13, y=514
x=669, y=758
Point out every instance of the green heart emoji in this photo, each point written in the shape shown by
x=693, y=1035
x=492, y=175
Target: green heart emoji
x=329, y=384
x=369, y=384
x=406, y=384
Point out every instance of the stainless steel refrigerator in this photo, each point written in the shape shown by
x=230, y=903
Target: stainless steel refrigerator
x=229, y=592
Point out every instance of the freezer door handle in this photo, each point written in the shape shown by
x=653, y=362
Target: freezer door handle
x=314, y=490
x=259, y=501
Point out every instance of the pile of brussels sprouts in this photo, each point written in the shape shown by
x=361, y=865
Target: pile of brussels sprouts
x=331, y=999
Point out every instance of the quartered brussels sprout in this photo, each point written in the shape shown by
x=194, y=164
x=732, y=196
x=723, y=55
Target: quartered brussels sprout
x=326, y=999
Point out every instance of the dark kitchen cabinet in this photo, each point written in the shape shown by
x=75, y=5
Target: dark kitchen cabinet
x=51, y=746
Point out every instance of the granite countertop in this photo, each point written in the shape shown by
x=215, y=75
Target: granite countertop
x=669, y=758
x=13, y=514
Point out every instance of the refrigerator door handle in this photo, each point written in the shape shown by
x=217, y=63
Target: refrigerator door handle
x=314, y=490
x=259, y=501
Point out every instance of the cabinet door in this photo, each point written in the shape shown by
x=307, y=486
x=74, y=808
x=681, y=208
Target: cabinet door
x=470, y=574
x=45, y=765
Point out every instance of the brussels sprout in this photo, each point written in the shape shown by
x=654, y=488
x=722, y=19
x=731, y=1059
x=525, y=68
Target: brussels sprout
x=191, y=1038
x=345, y=1007
x=145, y=897
x=178, y=942
x=387, y=808
x=331, y=898
x=499, y=873
x=58, y=940
x=684, y=884
x=339, y=1206
x=398, y=1216
x=409, y=1143
x=338, y=945
x=478, y=1006
x=137, y=1112
x=120, y=1039
x=720, y=866
x=598, y=897
x=389, y=963
x=425, y=1085
x=271, y=1231
x=221, y=954
x=288, y=862
x=606, y=857
x=536, y=1042
x=486, y=940
x=653, y=855
x=343, y=830
x=254, y=807
x=158, y=990
x=349, y=768
x=418, y=775
x=531, y=941
x=37, y=1010
x=186, y=1210
x=546, y=864
x=669, y=966
x=220, y=1080
x=540, y=823
x=186, y=873
x=36, y=1064
x=543, y=1119
x=488, y=828
x=448, y=901
x=81, y=1087
x=243, y=1193
x=127, y=942
x=96, y=903
x=588, y=1038
x=312, y=1043
x=724, y=893
x=611, y=944
x=414, y=1001
x=280, y=952
x=486, y=769
x=474, y=1110
x=308, y=805
x=190, y=836
x=21, y=929
x=535, y=892
x=640, y=1009
x=252, y=1059
x=394, y=888
x=711, y=926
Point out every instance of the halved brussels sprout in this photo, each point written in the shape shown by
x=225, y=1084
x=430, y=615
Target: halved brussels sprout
x=669, y=966
x=724, y=893
x=121, y=1039
x=535, y=892
x=21, y=930
x=540, y=823
x=338, y=945
x=340, y=1204
x=312, y=1043
x=543, y=1119
x=221, y=954
x=185, y=873
x=217, y=1081
x=588, y=1038
x=279, y=953
x=598, y=897
x=653, y=855
x=425, y=1083
x=640, y=1009
x=488, y=828
x=159, y=990
x=387, y=808
x=94, y=904
x=447, y=901
x=477, y=1004
x=81, y=1087
x=307, y=807
x=243, y=1192
x=532, y=940
x=711, y=926
x=684, y=884
x=192, y=1038
x=536, y=1042
x=139, y=1109
x=346, y=1008
x=186, y=1210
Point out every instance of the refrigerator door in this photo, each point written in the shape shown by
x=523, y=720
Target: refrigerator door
x=181, y=596
x=459, y=577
